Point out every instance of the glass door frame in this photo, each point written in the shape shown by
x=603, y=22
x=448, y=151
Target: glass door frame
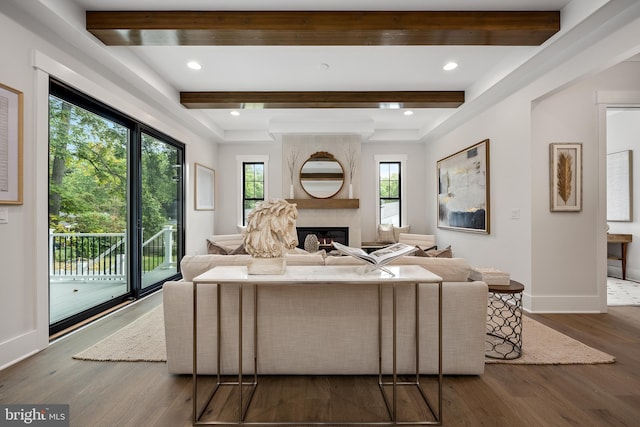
x=134, y=201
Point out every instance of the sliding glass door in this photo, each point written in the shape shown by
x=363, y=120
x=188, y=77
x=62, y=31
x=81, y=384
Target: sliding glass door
x=115, y=207
x=161, y=201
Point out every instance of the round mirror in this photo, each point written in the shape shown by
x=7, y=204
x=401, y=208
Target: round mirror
x=321, y=175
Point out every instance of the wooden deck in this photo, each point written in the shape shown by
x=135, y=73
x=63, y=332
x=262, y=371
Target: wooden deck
x=69, y=297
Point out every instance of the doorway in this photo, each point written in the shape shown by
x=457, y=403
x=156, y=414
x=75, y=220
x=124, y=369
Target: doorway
x=623, y=227
x=115, y=208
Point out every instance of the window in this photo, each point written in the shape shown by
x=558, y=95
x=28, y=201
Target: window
x=116, y=207
x=252, y=187
x=390, y=186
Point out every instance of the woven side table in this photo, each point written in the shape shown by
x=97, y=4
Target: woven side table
x=504, y=321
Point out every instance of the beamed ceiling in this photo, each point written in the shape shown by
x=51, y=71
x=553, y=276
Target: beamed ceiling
x=372, y=67
x=322, y=28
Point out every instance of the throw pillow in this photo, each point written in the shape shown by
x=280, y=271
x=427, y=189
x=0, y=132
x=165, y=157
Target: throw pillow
x=385, y=233
x=398, y=230
x=420, y=252
x=441, y=253
x=214, y=248
x=239, y=251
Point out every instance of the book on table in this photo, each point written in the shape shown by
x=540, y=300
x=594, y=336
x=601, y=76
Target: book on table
x=377, y=259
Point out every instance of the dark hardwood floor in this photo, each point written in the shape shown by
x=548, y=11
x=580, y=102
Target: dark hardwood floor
x=143, y=394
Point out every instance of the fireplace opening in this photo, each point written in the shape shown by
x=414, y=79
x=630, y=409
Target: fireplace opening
x=326, y=236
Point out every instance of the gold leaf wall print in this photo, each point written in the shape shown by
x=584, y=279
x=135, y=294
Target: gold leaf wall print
x=564, y=176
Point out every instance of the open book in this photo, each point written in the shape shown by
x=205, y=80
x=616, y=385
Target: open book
x=379, y=258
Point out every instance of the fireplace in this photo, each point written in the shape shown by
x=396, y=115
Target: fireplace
x=326, y=235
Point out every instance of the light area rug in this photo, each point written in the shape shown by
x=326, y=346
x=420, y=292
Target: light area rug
x=139, y=341
x=143, y=341
x=542, y=345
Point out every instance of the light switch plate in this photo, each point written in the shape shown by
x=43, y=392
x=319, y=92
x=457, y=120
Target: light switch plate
x=4, y=215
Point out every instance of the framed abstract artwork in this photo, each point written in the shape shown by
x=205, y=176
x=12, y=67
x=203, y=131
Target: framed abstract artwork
x=10, y=146
x=463, y=189
x=204, y=188
x=565, y=180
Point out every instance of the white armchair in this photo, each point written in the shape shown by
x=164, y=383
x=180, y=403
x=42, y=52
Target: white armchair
x=423, y=241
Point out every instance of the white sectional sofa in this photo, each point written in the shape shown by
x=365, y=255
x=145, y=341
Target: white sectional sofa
x=326, y=329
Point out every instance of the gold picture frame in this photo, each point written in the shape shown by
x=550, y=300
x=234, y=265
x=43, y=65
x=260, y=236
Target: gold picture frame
x=565, y=178
x=11, y=154
x=205, y=185
x=463, y=190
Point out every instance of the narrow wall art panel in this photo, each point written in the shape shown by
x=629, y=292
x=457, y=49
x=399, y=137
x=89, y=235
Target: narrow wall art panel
x=10, y=146
x=565, y=180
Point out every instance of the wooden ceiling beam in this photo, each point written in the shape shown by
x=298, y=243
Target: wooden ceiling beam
x=371, y=99
x=306, y=28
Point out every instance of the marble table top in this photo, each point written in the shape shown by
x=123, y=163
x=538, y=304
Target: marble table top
x=319, y=274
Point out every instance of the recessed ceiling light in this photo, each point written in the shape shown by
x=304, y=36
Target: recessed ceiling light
x=194, y=65
x=450, y=66
x=408, y=113
x=235, y=113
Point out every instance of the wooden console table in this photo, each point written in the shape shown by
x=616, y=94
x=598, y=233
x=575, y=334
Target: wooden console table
x=237, y=276
x=623, y=240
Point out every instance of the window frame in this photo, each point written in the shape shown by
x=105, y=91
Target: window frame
x=402, y=160
x=241, y=161
x=81, y=99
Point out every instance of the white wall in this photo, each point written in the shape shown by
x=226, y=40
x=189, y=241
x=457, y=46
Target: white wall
x=415, y=175
x=23, y=242
x=507, y=247
x=417, y=206
x=560, y=257
x=623, y=128
x=228, y=185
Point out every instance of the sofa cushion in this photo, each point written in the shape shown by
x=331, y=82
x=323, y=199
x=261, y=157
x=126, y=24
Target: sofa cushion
x=450, y=269
x=229, y=240
x=194, y=265
x=305, y=259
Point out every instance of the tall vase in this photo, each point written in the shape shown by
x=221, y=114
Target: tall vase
x=291, y=192
x=350, y=190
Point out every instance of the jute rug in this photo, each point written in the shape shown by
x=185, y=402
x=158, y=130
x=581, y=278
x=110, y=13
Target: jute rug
x=143, y=341
x=139, y=341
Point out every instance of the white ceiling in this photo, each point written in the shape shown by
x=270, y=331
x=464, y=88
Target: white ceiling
x=318, y=68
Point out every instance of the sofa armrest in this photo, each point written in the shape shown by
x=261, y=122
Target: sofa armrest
x=177, y=299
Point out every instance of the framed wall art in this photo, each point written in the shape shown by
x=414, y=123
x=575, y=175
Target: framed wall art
x=620, y=186
x=10, y=146
x=463, y=189
x=204, y=188
x=565, y=178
